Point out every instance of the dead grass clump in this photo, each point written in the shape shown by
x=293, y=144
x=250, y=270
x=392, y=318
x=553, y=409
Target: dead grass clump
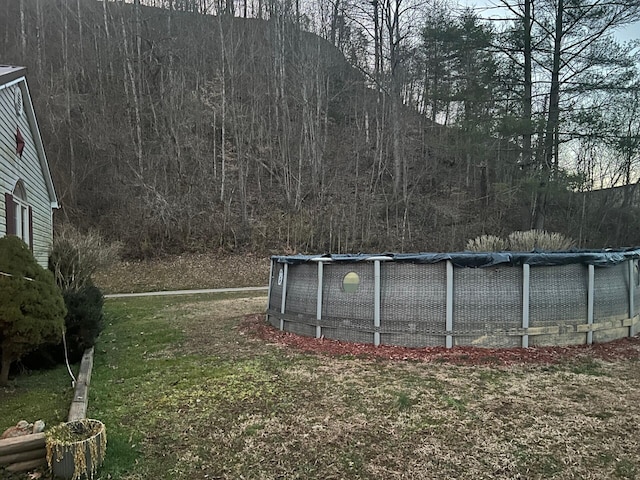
x=526, y=241
x=521, y=241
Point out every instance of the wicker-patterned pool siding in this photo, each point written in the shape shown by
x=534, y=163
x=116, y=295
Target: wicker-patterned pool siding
x=484, y=307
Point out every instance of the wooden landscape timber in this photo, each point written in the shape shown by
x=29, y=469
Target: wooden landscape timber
x=24, y=453
x=78, y=409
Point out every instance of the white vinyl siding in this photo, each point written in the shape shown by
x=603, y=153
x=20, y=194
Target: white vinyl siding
x=28, y=170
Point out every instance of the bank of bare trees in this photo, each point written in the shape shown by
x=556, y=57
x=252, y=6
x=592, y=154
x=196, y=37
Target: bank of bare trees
x=173, y=124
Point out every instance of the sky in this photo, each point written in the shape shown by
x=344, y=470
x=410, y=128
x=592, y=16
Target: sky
x=631, y=32
x=486, y=8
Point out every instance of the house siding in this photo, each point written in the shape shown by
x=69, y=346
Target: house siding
x=27, y=169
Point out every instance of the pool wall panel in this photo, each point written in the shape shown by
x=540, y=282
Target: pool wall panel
x=487, y=307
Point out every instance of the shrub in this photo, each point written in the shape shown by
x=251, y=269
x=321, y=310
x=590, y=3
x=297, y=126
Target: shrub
x=83, y=320
x=83, y=323
x=486, y=243
x=74, y=258
x=526, y=241
x=31, y=305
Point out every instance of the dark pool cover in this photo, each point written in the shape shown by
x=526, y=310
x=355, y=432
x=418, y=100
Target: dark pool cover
x=598, y=258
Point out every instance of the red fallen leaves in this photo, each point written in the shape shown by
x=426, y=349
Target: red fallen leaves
x=625, y=348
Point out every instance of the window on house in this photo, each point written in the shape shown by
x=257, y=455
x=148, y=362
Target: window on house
x=18, y=214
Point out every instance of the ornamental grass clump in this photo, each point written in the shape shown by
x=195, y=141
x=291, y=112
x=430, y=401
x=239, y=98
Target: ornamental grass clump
x=85, y=441
x=486, y=243
x=521, y=241
x=76, y=256
x=529, y=240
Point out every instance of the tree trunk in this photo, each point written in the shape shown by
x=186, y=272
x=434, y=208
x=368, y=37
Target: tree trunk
x=135, y=96
x=550, y=137
x=4, y=369
x=223, y=107
x=528, y=83
x=105, y=16
x=393, y=27
x=81, y=63
x=334, y=21
x=376, y=36
x=67, y=89
x=39, y=38
x=136, y=4
x=23, y=31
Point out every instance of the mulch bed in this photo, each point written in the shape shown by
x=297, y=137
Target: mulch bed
x=625, y=348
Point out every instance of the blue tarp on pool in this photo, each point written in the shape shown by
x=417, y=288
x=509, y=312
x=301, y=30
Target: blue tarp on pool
x=598, y=258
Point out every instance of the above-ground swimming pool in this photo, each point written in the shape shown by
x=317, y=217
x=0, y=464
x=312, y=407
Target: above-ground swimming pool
x=502, y=299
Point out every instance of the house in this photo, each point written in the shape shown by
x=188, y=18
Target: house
x=27, y=195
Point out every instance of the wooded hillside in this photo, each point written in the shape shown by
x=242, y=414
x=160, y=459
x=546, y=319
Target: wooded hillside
x=170, y=129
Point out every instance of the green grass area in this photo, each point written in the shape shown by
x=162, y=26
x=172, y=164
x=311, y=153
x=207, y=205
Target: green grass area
x=38, y=395
x=186, y=394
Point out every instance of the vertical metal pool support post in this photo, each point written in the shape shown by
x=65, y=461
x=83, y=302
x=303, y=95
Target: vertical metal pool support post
x=377, y=294
x=590, y=291
x=525, y=304
x=376, y=303
x=270, y=282
x=632, y=307
x=319, y=301
x=449, y=319
x=284, y=295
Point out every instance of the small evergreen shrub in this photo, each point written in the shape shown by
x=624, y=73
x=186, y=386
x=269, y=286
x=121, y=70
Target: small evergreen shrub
x=83, y=323
x=32, y=309
x=84, y=320
x=486, y=243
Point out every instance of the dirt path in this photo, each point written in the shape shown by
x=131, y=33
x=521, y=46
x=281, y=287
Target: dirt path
x=184, y=272
x=186, y=292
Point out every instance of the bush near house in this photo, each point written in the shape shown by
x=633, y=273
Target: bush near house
x=75, y=256
x=84, y=320
x=83, y=324
x=32, y=309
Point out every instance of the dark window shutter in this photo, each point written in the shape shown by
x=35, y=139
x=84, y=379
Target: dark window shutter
x=10, y=213
x=31, y=229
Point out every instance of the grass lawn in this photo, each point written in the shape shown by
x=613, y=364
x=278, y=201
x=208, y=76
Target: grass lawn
x=186, y=394
x=40, y=395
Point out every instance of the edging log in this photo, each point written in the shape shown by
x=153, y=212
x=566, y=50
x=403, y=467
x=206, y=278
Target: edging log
x=26, y=466
x=24, y=443
x=23, y=453
x=23, y=456
x=78, y=409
